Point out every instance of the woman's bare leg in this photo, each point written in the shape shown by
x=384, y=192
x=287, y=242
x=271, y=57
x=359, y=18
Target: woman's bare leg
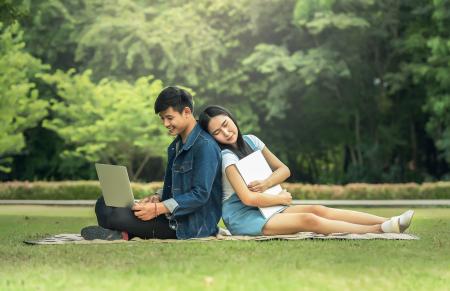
x=337, y=214
x=290, y=223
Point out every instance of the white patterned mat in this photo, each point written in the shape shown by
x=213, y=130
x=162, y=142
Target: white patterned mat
x=77, y=239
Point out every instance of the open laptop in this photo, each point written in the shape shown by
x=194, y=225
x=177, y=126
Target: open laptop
x=115, y=184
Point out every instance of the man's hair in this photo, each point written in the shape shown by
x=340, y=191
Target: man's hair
x=174, y=97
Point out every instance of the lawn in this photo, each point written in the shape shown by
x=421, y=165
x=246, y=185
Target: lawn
x=273, y=265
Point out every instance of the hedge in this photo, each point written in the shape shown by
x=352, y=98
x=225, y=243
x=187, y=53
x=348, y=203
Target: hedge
x=69, y=190
x=437, y=190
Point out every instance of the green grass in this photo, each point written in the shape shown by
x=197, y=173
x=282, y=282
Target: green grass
x=273, y=265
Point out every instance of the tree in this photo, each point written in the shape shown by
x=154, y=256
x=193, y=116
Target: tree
x=20, y=107
x=328, y=78
x=342, y=89
x=434, y=72
x=10, y=12
x=422, y=77
x=108, y=121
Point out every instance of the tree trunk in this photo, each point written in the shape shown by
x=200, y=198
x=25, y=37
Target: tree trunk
x=141, y=166
x=358, y=139
x=413, y=163
x=130, y=169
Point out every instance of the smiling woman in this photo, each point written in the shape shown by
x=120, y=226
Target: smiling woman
x=223, y=130
x=240, y=201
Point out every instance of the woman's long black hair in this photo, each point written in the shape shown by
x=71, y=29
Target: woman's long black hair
x=243, y=149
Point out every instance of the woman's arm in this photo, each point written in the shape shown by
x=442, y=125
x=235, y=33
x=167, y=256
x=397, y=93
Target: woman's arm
x=280, y=173
x=251, y=198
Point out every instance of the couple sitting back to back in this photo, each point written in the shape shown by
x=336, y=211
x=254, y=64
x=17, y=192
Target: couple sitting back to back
x=202, y=184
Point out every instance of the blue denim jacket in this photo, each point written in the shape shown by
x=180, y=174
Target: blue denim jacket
x=193, y=185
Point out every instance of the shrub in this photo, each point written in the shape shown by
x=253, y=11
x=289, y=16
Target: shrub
x=438, y=190
x=69, y=190
x=66, y=190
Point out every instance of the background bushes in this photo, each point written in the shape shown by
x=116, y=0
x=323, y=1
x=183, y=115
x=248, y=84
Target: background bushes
x=439, y=190
x=65, y=190
x=91, y=190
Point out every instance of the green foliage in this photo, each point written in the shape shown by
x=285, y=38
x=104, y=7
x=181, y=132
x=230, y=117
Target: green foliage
x=112, y=121
x=335, y=85
x=74, y=190
x=341, y=90
x=423, y=70
x=305, y=10
x=314, y=65
x=53, y=27
x=316, y=16
x=10, y=11
x=436, y=74
x=131, y=36
x=20, y=107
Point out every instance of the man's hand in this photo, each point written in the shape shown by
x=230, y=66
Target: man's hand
x=151, y=198
x=148, y=210
x=258, y=186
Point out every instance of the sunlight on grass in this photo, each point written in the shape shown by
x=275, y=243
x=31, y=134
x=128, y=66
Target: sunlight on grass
x=241, y=265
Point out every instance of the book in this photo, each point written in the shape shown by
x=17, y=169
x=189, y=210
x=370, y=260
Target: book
x=255, y=167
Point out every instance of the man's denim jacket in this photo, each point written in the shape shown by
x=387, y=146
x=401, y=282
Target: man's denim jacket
x=193, y=185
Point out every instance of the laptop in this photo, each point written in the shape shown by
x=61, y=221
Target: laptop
x=115, y=184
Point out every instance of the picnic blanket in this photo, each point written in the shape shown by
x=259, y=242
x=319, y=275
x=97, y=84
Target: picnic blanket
x=78, y=239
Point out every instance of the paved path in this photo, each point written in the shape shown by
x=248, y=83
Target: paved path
x=369, y=203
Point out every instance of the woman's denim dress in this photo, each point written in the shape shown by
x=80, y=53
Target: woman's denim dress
x=239, y=218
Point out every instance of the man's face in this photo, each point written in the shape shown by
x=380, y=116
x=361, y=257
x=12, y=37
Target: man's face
x=174, y=121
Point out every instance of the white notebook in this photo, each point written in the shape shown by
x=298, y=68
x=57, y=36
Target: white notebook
x=255, y=167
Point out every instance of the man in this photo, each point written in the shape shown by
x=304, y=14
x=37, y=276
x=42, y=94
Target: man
x=190, y=204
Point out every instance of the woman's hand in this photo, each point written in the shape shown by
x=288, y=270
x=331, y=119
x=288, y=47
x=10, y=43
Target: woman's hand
x=258, y=186
x=285, y=198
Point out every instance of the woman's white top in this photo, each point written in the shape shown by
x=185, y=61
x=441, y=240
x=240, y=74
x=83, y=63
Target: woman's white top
x=228, y=159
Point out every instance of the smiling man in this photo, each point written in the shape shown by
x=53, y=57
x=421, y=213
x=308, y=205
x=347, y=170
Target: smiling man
x=190, y=203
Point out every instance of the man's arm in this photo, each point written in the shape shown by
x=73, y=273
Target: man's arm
x=206, y=165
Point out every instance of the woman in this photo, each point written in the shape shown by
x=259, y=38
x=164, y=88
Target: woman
x=240, y=201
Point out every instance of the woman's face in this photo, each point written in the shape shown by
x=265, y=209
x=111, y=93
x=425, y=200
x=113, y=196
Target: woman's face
x=223, y=129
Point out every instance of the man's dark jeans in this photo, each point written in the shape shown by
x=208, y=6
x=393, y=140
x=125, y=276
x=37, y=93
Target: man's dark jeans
x=123, y=219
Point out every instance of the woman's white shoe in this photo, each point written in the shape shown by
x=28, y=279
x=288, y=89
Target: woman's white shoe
x=391, y=225
x=405, y=220
x=398, y=224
